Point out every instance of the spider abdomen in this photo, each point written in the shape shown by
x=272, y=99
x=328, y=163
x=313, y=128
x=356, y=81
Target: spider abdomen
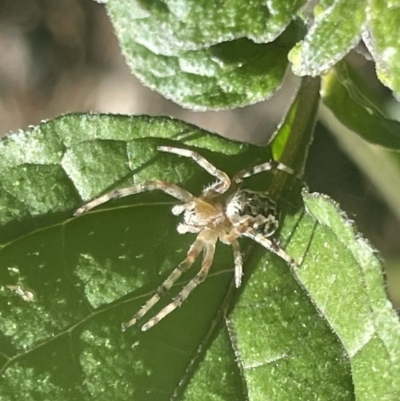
x=254, y=209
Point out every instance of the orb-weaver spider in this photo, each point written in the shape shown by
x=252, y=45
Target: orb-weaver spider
x=222, y=212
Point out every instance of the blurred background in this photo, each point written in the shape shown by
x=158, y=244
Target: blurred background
x=61, y=56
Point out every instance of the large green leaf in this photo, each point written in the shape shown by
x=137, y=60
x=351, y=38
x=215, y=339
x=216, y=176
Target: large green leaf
x=68, y=283
x=204, y=54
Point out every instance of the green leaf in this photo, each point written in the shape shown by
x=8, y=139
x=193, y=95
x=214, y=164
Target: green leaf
x=278, y=334
x=167, y=27
x=382, y=40
x=350, y=293
x=347, y=96
x=334, y=32
x=202, y=55
x=67, y=284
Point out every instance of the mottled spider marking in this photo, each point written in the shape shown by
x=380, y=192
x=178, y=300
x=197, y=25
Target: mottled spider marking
x=222, y=212
x=257, y=209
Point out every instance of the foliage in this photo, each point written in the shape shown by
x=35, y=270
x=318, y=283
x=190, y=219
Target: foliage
x=321, y=331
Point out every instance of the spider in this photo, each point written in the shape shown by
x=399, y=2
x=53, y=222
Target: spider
x=223, y=212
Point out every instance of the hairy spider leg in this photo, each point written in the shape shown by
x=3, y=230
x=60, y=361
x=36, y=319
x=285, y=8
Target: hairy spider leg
x=209, y=250
x=168, y=188
x=237, y=257
x=219, y=187
x=193, y=253
x=270, y=246
x=271, y=165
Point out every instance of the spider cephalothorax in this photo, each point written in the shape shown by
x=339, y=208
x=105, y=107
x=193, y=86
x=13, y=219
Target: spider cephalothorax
x=222, y=212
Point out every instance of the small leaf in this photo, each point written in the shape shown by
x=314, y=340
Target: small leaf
x=335, y=31
x=382, y=40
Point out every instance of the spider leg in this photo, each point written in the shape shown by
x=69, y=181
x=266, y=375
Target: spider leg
x=271, y=165
x=271, y=246
x=237, y=256
x=191, y=256
x=168, y=188
x=209, y=251
x=223, y=182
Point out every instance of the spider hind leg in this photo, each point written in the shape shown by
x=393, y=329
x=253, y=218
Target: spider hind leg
x=194, y=251
x=237, y=256
x=209, y=251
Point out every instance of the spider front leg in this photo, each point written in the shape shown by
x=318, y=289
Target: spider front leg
x=168, y=188
x=271, y=165
x=209, y=251
x=223, y=181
